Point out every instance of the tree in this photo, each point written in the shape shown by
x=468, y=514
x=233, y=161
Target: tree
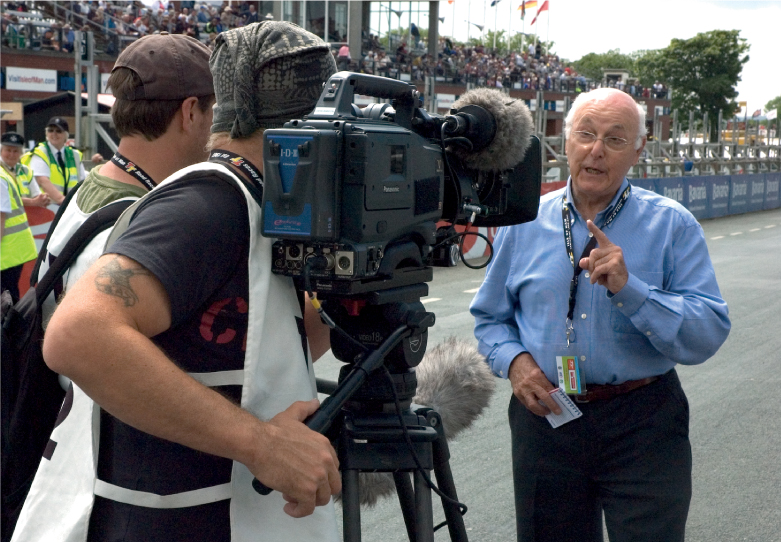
x=592, y=64
x=702, y=72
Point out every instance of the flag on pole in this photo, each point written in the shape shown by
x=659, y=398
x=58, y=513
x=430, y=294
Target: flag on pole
x=450, y=1
x=494, y=2
x=757, y=113
x=773, y=113
x=479, y=26
x=544, y=7
x=527, y=5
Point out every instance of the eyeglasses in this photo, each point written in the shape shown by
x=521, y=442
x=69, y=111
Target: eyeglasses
x=611, y=142
x=54, y=130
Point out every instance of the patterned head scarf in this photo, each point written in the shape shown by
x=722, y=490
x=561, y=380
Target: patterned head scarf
x=266, y=74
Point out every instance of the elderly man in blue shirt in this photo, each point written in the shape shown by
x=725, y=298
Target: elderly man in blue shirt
x=602, y=295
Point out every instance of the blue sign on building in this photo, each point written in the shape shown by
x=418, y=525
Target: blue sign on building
x=718, y=195
x=738, y=194
x=772, y=197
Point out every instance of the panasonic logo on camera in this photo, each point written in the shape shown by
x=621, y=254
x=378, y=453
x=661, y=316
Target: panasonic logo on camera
x=390, y=189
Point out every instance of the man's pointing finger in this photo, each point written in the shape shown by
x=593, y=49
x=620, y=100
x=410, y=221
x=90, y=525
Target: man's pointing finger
x=602, y=239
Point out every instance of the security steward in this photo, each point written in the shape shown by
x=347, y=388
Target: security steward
x=56, y=166
x=18, y=244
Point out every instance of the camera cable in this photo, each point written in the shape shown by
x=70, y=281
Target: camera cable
x=462, y=508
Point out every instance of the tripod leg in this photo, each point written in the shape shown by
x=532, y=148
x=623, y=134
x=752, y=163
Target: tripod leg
x=455, y=521
x=424, y=527
x=351, y=506
x=407, y=501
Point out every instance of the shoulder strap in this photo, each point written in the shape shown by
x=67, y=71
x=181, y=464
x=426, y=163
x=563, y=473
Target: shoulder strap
x=100, y=220
x=42, y=253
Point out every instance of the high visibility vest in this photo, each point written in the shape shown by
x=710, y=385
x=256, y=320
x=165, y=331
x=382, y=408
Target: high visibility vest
x=18, y=244
x=24, y=176
x=55, y=173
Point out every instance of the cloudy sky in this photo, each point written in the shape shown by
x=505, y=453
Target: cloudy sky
x=579, y=27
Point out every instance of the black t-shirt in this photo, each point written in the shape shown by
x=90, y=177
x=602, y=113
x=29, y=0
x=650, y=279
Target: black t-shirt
x=193, y=235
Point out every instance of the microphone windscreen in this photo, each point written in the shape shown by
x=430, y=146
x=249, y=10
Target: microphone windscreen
x=455, y=381
x=514, y=128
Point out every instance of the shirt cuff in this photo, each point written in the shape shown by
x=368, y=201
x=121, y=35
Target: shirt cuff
x=629, y=299
x=502, y=357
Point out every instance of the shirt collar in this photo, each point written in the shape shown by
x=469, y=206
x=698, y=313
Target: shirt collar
x=54, y=150
x=601, y=214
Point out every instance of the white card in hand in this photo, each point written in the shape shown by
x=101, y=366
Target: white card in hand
x=568, y=409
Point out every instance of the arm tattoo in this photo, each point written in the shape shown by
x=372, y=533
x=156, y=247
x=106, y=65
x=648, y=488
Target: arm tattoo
x=114, y=280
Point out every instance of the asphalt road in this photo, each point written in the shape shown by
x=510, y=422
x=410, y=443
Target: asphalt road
x=734, y=399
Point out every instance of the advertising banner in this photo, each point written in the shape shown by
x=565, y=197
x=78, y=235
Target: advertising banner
x=756, y=192
x=671, y=187
x=772, y=197
x=738, y=193
x=695, y=192
x=718, y=195
x=30, y=79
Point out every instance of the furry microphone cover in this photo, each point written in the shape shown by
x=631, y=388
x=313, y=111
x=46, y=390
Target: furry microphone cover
x=455, y=381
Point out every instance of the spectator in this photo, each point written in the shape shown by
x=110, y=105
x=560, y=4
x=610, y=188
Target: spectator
x=203, y=14
x=343, y=59
x=214, y=26
x=251, y=15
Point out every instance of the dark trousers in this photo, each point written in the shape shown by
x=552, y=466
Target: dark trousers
x=628, y=457
x=9, y=280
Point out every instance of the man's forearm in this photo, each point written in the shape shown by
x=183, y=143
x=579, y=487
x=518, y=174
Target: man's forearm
x=49, y=189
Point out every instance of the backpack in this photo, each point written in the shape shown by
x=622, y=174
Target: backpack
x=31, y=393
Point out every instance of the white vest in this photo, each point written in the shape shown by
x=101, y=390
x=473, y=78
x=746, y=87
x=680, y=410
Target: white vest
x=70, y=221
x=274, y=376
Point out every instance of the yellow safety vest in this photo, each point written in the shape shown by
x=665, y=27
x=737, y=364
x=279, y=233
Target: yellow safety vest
x=18, y=244
x=24, y=176
x=55, y=173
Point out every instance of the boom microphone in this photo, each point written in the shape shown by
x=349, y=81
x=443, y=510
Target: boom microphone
x=455, y=381
x=472, y=116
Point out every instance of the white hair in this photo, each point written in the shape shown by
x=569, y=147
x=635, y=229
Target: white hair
x=587, y=97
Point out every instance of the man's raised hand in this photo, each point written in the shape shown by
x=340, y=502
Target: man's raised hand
x=605, y=264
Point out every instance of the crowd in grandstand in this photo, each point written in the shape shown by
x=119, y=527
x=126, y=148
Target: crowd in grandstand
x=530, y=69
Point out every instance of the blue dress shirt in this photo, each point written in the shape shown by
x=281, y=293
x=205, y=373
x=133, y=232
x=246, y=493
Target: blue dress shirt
x=670, y=310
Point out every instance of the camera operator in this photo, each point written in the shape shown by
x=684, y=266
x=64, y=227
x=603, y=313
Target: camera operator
x=182, y=321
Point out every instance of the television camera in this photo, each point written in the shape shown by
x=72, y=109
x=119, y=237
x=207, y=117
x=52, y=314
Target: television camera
x=361, y=203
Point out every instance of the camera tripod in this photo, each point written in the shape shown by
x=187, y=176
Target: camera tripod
x=375, y=426
x=370, y=417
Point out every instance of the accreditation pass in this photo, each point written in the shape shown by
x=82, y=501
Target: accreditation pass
x=569, y=411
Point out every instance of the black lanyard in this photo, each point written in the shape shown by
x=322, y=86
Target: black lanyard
x=233, y=159
x=133, y=169
x=592, y=243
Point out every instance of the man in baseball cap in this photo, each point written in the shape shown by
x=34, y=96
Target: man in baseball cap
x=162, y=114
x=184, y=301
x=56, y=166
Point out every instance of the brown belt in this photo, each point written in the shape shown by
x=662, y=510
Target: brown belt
x=603, y=392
